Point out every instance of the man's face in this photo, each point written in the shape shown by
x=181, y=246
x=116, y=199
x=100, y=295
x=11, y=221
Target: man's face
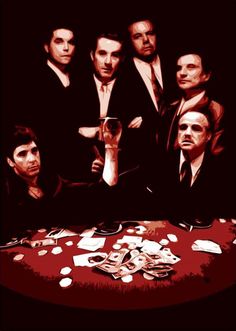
x=143, y=39
x=190, y=73
x=106, y=58
x=193, y=133
x=61, y=47
x=26, y=160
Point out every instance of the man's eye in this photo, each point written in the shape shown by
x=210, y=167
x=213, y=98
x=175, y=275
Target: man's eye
x=151, y=33
x=102, y=53
x=116, y=54
x=137, y=36
x=71, y=42
x=197, y=128
x=58, y=41
x=191, y=66
x=34, y=150
x=183, y=127
x=22, y=154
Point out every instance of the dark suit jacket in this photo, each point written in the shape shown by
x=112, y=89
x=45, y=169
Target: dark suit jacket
x=134, y=100
x=209, y=196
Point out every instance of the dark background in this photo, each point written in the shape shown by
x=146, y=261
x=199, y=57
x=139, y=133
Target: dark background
x=208, y=23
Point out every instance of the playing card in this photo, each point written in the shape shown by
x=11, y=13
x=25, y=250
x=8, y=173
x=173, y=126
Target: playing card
x=206, y=246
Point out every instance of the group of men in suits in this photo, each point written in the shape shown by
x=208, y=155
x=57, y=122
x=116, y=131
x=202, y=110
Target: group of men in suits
x=157, y=137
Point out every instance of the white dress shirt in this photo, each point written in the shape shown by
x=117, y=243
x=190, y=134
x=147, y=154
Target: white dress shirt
x=104, y=94
x=144, y=70
x=64, y=78
x=195, y=166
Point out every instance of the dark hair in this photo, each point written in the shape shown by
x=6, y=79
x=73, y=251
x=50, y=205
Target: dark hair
x=116, y=36
x=139, y=18
x=48, y=31
x=16, y=136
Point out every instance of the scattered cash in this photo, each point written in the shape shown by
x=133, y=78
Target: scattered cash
x=89, y=259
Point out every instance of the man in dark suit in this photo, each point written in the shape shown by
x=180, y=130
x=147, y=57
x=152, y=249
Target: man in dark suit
x=190, y=186
x=196, y=183
x=192, y=75
x=142, y=98
x=98, y=89
x=48, y=102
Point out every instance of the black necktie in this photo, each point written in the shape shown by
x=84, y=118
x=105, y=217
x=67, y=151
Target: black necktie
x=157, y=89
x=186, y=175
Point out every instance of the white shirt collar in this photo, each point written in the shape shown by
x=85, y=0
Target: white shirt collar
x=195, y=165
x=144, y=68
x=64, y=78
x=108, y=84
x=185, y=105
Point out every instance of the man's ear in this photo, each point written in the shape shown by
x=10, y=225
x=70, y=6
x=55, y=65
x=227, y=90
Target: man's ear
x=209, y=136
x=207, y=76
x=46, y=48
x=10, y=162
x=92, y=55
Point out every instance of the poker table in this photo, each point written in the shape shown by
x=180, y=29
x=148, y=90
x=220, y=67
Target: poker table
x=196, y=275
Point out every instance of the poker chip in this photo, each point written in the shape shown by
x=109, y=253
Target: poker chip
x=42, y=252
x=164, y=242
x=65, y=270
x=147, y=276
x=42, y=230
x=127, y=279
x=69, y=243
x=130, y=230
x=172, y=237
x=116, y=246
x=65, y=282
x=56, y=250
x=18, y=257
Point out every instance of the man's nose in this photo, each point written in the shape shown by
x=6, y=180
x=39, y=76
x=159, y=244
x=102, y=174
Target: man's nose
x=145, y=39
x=183, y=72
x=188, y=131
x=31, y=157
x=108, y=59
x=65, y=46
